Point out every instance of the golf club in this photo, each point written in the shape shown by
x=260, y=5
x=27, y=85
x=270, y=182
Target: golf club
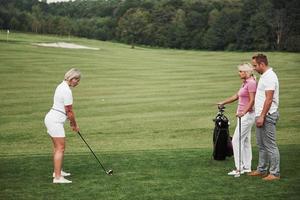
x=109, y=172
x=240, y=156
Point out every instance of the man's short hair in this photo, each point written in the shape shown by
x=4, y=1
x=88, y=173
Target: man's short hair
x=260, y=58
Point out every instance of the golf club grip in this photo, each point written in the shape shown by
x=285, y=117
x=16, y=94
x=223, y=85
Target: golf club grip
x=92, y=151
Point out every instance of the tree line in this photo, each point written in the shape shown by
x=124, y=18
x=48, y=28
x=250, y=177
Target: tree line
x=183, y=24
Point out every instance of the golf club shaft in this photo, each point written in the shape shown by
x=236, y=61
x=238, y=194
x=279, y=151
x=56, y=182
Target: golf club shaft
x=240, y=148
x=92, y=152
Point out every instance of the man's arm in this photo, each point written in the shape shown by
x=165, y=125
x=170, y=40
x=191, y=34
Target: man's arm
x=267, y=104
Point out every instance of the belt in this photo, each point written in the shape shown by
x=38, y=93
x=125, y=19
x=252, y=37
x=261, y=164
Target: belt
x=58, y=111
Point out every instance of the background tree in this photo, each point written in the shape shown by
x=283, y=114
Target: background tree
x=279, y=27
x=260, y=26
x=105, y=28
x=131, y=25
x=161, y=18
x=186, y=24
x=221, y=34
x=196, y=23
x=37, y=17
x=177, y=37
x=291, y=36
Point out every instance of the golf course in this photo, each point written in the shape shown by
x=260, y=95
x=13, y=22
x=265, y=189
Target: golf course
x=146, y=113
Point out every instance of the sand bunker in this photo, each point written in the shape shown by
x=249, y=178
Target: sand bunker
x=64, y=45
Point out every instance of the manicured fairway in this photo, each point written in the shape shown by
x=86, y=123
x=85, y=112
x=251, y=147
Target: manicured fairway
x=146, y=112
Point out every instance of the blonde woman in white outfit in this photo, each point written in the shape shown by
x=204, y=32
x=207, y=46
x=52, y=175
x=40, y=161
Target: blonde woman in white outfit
x=245, y=111
x=55, y=119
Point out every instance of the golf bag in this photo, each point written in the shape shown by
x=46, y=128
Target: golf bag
x=222, y=145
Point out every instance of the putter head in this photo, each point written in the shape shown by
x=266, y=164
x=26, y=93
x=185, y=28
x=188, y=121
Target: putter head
x=110, y=172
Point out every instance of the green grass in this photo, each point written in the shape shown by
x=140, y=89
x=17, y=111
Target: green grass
x=146, y=112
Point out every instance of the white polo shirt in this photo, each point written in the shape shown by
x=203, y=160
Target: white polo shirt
x=267, y=81
x=62, y=97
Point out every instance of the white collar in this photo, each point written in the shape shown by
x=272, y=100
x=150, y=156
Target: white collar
x=266, y=72
x=66, y=83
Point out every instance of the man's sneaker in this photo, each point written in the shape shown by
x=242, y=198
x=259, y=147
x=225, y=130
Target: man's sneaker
x=62, y=173
x=61, y=180
x=257, y=173
x=235, y=172
x=271, y=177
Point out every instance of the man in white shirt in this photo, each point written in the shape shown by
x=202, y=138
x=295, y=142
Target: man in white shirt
x=266, y=112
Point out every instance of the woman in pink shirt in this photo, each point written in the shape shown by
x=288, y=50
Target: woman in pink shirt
x=245, y=111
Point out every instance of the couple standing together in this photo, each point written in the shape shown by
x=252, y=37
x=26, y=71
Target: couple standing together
x=257, y=103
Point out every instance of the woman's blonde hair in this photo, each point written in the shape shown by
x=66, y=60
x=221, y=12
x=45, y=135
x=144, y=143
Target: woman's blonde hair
x=72, y=73
x=246, y=67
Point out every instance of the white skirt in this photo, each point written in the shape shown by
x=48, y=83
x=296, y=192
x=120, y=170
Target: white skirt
x=54, y=122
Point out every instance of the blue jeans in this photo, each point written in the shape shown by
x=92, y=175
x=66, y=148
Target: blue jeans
x=266, y=142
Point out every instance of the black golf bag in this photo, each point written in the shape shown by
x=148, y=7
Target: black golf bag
x=222, y=145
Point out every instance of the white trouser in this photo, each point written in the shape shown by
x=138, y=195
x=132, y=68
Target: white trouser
x=247, y=122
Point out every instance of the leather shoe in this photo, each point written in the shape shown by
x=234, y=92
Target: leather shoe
x=271, y=177
x=257, y=173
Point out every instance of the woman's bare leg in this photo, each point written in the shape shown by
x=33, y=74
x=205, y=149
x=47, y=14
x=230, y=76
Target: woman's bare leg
x=58, y=154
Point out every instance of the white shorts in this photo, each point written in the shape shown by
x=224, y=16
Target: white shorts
x=54, y=122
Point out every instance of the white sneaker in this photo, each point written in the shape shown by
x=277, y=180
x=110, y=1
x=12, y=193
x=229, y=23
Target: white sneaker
x=246, y=170
x=61, y=180
x=235, y=172
x=62, y=173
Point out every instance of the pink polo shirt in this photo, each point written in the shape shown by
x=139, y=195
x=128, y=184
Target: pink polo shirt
x=249, y=85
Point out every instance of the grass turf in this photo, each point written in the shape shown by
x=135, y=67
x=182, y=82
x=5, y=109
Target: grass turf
x=163, y=174
x=147, y=112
